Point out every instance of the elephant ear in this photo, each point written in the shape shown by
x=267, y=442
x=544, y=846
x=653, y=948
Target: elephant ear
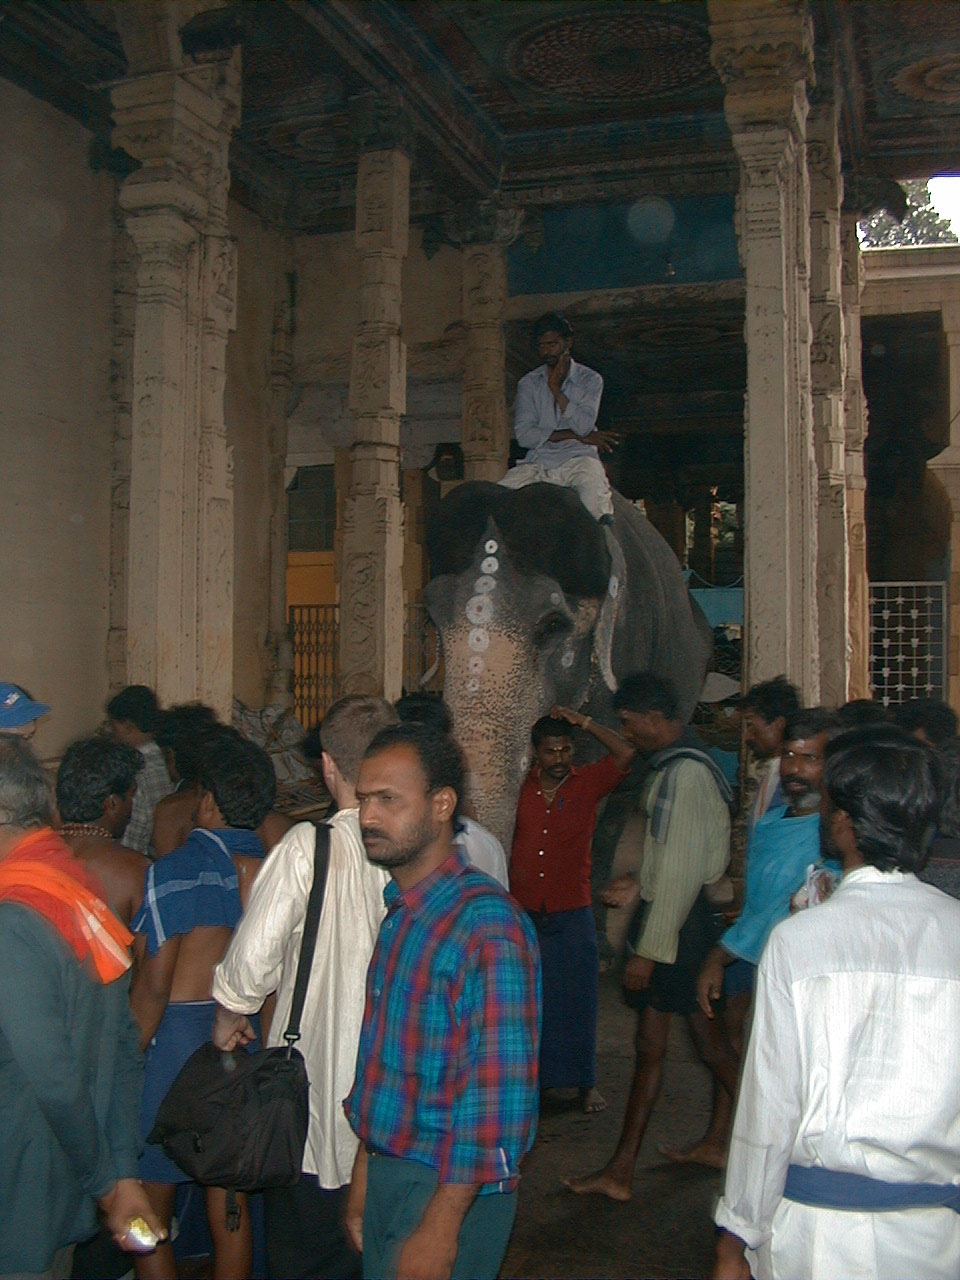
x=603, y=632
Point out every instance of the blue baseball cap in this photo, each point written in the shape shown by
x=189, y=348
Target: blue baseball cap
x=16, y=708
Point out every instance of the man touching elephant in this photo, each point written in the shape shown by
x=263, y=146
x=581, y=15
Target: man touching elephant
x=550, y=878
x=555, y=420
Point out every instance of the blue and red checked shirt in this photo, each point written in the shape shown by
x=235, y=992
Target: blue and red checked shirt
x=447, y=1062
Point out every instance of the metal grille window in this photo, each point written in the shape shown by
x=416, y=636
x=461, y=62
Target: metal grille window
x=908, y=642
x=311, y=509
x=313, y=632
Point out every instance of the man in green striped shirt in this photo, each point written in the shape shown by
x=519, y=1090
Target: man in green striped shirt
x=686, y=848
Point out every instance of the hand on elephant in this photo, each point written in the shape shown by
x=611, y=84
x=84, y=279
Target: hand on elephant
x=571, y=716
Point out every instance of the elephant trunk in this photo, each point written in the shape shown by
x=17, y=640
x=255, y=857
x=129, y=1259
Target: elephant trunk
x=492, y=716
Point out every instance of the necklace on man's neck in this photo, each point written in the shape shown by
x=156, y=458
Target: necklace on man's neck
x=548, y=795
x=84, y=829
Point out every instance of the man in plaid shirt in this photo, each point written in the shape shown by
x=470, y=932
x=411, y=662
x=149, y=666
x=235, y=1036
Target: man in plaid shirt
x=445, y=1096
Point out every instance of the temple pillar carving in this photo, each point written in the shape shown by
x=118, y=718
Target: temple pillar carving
x=764, y=54
x=279, y=646
x=175, y=115
x=483, y=233
x=946, y=466
x=371, y=537
x=827, y=368
x=855, y=432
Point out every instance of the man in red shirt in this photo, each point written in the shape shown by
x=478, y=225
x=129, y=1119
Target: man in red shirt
x=550, y=878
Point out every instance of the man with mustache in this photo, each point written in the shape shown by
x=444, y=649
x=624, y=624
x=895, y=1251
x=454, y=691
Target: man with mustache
x=782, y=844
x=445, y=1096
x=555, y=420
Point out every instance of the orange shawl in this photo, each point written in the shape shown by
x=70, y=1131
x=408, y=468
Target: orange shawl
x=41, y=873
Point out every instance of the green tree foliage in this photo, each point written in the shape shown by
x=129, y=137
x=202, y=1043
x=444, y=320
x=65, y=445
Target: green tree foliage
x=922, y=224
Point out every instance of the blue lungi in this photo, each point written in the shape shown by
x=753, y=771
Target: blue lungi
x=570, y=966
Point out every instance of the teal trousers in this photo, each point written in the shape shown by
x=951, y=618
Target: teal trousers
x=397, y=1194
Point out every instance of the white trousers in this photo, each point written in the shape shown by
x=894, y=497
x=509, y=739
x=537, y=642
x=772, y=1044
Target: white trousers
x=585, y=475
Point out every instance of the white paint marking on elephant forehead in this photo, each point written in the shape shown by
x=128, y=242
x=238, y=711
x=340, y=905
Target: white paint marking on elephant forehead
x=479, y=609
x=490, y=565
x=475, y=664
x=473, y=684
x=490, y=546
x=479, y=640
x=566, y=659
x=484, y=584
x=524, y=763
x=554, y=597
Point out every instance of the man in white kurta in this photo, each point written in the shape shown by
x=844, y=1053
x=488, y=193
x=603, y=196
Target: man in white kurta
x=852, y=1067
x=304, y=1236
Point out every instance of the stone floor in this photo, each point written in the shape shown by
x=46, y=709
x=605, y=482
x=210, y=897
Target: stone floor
x=666, y=1229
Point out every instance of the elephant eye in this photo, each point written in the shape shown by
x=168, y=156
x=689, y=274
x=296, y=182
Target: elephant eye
x=550, y=627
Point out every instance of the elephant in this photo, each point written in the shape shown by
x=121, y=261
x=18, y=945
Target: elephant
x=536, y=604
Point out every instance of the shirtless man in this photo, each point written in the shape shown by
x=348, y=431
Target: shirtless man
x=96, y=782
x=191, y=906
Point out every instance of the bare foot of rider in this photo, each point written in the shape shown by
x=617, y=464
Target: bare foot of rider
x=606, y=1182
x=592, y=1101
x=711, y=1154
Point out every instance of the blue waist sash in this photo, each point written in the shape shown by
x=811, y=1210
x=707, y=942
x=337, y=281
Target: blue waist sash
x=830, y=1189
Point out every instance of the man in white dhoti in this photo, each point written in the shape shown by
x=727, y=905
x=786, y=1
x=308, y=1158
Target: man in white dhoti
x=845, y=1155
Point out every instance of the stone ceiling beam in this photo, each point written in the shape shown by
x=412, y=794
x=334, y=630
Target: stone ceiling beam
x=455, y=125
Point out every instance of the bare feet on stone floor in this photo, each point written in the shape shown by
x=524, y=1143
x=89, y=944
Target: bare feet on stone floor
x=705, y=1153
x=602, y=1183
x=592, y=1101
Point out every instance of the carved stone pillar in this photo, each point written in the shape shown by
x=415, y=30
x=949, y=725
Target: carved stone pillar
x=279, y=646
x=483, y=233
x=827, y=362
x=946, y=466
x=175, y=115
x=763, y=54
x=855, y=431
x=371, y=546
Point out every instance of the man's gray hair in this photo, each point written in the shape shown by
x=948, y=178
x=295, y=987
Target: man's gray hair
x=26, y=795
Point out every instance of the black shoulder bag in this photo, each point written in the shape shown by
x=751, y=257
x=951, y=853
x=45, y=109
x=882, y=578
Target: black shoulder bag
x=239, y=1120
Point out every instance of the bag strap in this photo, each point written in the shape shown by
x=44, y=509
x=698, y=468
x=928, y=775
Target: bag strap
x=321, y=862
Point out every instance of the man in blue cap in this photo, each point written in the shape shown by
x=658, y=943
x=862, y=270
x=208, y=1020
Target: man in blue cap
x=18, y=711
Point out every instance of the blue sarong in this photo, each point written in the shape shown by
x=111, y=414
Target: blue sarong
x=832, y=1189
x=778, y=854
x=570, y=967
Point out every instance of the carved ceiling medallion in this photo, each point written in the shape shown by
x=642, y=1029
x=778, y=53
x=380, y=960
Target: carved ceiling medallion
x=601, y=57
x=934, y=80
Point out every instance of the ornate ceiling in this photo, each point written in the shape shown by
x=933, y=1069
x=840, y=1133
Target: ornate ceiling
x=567, y=108
x=546, y=103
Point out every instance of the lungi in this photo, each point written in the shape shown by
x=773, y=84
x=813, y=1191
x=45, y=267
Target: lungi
x=570, y=966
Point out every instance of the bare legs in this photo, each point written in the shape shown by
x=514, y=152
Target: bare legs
x=232, y=1250
x=615, y=1178
x=722, y=1050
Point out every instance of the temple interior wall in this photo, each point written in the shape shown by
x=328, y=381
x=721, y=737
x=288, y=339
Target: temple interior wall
x=326, y=317
x=248, y=406
x=55, y=433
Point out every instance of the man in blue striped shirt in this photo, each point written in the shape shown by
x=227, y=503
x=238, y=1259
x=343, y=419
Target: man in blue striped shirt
x=445, y=1096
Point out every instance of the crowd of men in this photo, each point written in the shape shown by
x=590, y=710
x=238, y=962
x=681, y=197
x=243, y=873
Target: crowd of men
x=441, y=1008
x=155, y=899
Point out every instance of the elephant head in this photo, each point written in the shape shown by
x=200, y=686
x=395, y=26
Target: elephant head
x=533, y=605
